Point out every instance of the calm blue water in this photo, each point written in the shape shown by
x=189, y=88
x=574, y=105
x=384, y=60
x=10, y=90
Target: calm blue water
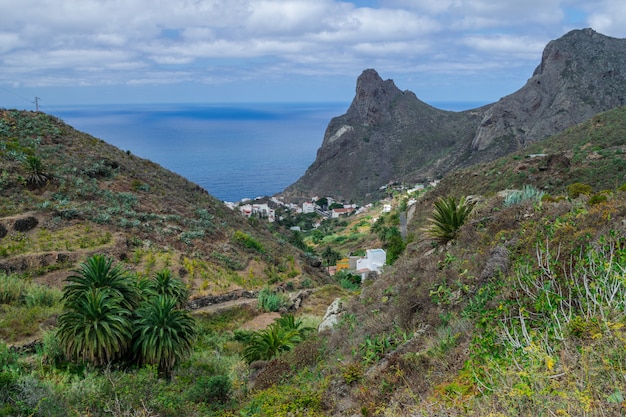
x=234, y=151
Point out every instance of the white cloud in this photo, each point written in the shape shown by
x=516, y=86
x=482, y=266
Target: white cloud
x=125, y=42
x=609, y=16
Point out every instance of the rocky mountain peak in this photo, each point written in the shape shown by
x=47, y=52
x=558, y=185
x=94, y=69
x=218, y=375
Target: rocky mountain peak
x=390, y=135
x=580, y=74
x=372, y=99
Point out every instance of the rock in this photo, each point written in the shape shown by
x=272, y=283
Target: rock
x=331, y=318
x=25, y=224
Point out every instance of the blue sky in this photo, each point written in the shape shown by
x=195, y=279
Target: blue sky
x=142, y=51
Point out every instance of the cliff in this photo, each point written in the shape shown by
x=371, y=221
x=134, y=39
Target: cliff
x=390, y=135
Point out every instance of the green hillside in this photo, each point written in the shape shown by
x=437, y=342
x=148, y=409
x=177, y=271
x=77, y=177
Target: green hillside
x=519, y=311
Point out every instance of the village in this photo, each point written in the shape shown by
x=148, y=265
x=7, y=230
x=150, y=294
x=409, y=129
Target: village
x=370, y=261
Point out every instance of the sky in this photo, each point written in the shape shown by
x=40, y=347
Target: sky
x=75, y=52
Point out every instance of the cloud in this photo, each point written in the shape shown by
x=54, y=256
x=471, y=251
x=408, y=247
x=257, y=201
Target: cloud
x=91, y=42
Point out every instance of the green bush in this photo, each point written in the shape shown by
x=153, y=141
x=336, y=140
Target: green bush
x=348, y=280
x=12, y=289
x=248, y=241
x=448, y=217
x=597, y=199
x=577, y=189
x=211, y=389
x=270, y=301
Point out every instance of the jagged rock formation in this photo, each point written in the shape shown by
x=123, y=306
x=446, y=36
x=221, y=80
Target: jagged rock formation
x=390, y=135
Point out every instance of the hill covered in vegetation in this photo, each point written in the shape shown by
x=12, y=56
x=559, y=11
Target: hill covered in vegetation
x=513, y=303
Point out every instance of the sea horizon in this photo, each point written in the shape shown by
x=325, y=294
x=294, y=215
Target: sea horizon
x=235, y=151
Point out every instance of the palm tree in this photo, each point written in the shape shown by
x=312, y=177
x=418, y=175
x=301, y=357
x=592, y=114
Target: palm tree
x=164, y=283
x=448, y=217
x=268, y=343
x=95, y=327
x=98, y=272
x=163, y=334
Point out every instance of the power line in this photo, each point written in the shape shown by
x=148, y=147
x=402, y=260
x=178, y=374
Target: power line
x=36, y=102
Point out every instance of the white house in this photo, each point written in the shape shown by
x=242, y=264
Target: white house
x=308, y=207
x=373, y=261
x=386, y=208
x=336, y=212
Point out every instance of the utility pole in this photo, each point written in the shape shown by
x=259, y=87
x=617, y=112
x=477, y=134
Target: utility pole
x=36, y=103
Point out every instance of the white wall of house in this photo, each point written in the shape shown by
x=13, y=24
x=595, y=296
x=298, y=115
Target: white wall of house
x=308, y=207
x=374, y=260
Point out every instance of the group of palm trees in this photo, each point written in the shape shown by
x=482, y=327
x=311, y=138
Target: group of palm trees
x=110, y=316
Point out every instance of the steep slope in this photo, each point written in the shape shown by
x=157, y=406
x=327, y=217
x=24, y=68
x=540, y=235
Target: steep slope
x=389, y=135
x=384, y=134
x=85, y=196
x=521, y=314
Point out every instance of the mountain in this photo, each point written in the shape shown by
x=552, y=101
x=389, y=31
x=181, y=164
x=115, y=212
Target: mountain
x=390, y=135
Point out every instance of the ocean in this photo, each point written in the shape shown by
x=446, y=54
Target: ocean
x=234, y=151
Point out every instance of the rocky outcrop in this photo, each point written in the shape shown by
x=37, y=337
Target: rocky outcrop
x=581, y=74
x=331, y=318
x=385, y=133
x=390, y=135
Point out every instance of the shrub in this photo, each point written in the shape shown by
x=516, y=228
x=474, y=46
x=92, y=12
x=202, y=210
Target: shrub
x=348, y=280
x=527, y=193
x=597, y=199
x=248, y=241
x=211, y=389
x=448, y=217
x=577, y=189
x=270, y=301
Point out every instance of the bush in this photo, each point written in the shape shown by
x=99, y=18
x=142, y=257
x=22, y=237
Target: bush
x=577, y=189
x=597, y=199
x=248, y=241
x=448, y=217
x=270, y=301
x=527, y=193
x=348, y=280
x=211, y=389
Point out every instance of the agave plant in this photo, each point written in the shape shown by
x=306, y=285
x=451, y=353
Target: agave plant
x=448, y=217
x=36, y=175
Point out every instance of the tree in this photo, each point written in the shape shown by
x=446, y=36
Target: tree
x=163, y=334
x=164, y=283
x=280, y=336
x=330, y=256
x=101, y=322
x=95, y=326
x=98, y=272
x=447, y=218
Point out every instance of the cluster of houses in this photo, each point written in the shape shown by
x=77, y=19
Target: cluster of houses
x=263, y=210
x=248, y=207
